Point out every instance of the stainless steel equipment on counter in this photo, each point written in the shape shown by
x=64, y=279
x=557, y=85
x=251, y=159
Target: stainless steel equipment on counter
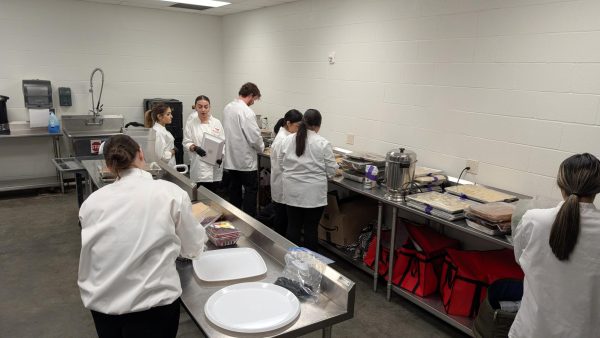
x=85, y=133
x=399, y=172
x=4, y=127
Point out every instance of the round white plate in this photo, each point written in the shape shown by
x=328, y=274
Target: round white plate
x=252, y=307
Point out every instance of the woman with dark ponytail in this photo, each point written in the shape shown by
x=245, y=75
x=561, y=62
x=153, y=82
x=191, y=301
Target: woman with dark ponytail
x=307, y=161
x=285, y=126
x=559, y=251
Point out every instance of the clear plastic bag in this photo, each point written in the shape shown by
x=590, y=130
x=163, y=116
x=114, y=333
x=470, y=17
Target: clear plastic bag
x=537, y=202
x=302, y=274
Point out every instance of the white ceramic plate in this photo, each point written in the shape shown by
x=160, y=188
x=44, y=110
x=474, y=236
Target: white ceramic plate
x=229, y=264
x=252, y=307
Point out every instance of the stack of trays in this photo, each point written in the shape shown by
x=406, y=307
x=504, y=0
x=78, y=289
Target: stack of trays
x=446, y=206
x=354, y=164
x=490, y=218
x=429, y=179
x=222, y=233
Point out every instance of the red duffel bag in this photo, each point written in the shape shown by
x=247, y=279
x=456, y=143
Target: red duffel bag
x=467, y=274
x=384, y=255
x=418, y=269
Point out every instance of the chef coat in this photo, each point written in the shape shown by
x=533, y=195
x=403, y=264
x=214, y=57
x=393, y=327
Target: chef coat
x=165, y=142
x=305, y=177
x=131, y=233
x=561, y=298
x=276, y=179
x=243, y=139
x=193, y=133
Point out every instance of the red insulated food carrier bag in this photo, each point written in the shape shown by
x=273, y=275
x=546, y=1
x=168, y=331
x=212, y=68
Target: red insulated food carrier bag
x=384, y=255
x=418, y=271
x=467, y=274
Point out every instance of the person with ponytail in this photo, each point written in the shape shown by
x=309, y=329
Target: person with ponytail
x=157, y=118
x=285, y=126
x=132, y=231
x=307, y=162
x=559, y=252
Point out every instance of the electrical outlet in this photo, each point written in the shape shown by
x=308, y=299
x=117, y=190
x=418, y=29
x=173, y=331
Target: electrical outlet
x=474, y=165
x=350, y=139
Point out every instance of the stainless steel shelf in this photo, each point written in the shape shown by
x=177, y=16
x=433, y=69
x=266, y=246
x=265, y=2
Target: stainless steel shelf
x=433, y=304
x=346, y=257
x=29, y=183
x=379, y=194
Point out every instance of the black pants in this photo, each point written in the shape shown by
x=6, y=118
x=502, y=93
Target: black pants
x=281, y=220
x=212, y=186
x=247, y=200
x=156, y=322
x=306, y=219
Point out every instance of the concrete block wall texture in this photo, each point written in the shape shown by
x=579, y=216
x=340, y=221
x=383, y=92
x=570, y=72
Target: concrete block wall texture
x=145, y=53
x=513, y=84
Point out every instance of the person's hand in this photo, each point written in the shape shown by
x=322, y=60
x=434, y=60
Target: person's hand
x=174, y=151
x=200, y=151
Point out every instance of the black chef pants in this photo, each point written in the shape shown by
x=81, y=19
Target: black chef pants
x=212, y=186
x=281, y=220
x=246, y=200
x=156, y=322
x=306, y=219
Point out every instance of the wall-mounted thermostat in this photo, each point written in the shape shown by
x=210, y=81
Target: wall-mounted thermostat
x=64, y=96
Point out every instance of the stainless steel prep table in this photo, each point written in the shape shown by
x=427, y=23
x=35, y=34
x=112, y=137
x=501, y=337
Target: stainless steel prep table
x=21, y=130
x=335, y=305
x=431, y=304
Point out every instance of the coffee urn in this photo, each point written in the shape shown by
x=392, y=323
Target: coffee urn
x=399, y=172
x=4, y=129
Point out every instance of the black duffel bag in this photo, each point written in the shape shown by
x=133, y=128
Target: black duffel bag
x=491, y=321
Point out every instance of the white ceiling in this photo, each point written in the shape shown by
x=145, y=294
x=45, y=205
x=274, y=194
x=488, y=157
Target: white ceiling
x=236, y=6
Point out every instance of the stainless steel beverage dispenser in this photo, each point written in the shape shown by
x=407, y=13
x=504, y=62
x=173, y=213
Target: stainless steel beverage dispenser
x=4, y=128
x=399, y=172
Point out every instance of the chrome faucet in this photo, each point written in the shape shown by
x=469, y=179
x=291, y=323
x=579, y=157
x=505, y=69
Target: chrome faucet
x=98, y=108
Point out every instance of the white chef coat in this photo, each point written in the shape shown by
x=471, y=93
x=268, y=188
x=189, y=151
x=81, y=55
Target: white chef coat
x=131, y=233
x=561, y=299
x=276, y=179
x=165, y=142
x=243, y=139
x=305, y=177
x=193, y=133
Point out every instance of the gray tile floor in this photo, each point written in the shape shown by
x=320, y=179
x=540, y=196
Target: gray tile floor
x=39, y=254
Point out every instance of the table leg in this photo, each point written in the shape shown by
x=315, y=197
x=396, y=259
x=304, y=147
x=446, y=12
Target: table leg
x=56, y=150
x=327, y=332
x=392, y=249
x=377, y=245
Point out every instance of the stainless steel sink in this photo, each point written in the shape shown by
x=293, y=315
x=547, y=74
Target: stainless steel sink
x=84, y=133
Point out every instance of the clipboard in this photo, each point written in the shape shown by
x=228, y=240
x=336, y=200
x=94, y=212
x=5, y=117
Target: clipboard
x=213, y=146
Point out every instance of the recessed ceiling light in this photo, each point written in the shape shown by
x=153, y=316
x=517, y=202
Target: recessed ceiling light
x=207, y=3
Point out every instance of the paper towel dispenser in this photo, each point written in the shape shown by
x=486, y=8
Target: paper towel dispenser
x=37, y=93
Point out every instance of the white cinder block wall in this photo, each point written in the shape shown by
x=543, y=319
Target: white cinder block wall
x=514, y=84
x=144, y=53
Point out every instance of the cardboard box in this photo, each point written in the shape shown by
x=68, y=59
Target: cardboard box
x=343, y=219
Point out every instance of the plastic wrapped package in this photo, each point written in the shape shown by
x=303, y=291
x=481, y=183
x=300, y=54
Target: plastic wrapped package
x=448, y=203
x=302, y=274
x=496, y=212
x=222, y=233
x=480, y=193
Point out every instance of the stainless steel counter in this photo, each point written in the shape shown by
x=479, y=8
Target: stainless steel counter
x=335, y=305
x=21, y=130
x=378, y=193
